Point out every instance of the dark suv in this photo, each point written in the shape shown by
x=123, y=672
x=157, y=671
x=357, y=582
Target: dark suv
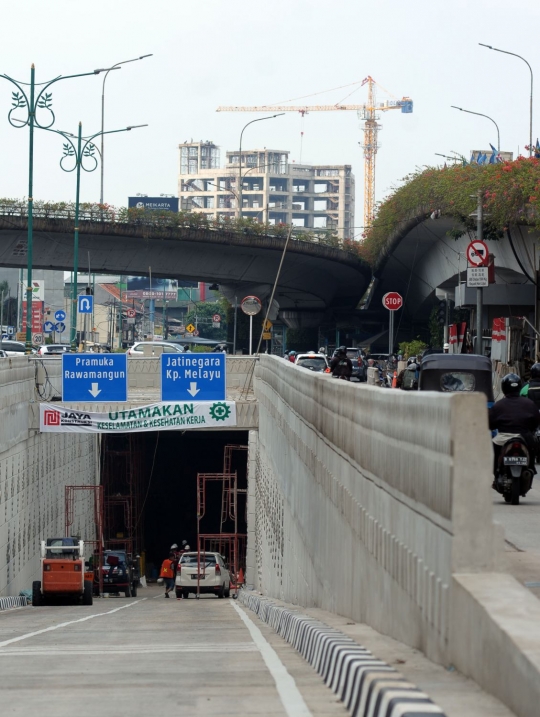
x=120, y=573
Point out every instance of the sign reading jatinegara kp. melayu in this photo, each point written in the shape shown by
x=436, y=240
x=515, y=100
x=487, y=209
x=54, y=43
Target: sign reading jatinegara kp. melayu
x=181, y=415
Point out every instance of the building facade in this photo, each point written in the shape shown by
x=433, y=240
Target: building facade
x=270, y=188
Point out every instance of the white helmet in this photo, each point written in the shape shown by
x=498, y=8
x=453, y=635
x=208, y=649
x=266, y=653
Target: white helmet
x=174, y=546
x=446, y=346
x=187, y=547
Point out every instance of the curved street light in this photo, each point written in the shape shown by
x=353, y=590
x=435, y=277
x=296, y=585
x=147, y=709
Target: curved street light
x=25, y=99
x=116, y=66
x=496, y=49
x=487, y=117
x=259, y=119
x=84, y=149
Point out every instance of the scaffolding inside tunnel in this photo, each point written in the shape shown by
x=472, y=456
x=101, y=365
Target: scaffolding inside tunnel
x=229, y=496
x=96, y=543
x=122, y=476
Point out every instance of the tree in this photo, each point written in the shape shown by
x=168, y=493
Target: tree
x=201, y=317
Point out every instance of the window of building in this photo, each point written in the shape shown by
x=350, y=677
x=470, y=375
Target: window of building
x=320, y=187
x=299, y=221
x=319, y=222
x=320, y=205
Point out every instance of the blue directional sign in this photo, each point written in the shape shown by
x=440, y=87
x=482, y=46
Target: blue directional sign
x=48, y=327
x=94, y=378
x=193, y=377
x=59, y=327
x=85, y=304
x=60, y=315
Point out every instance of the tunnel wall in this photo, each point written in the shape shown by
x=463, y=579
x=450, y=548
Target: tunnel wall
x=34, y=469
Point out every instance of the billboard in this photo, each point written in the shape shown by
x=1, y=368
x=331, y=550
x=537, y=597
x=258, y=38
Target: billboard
x=168, y=204
x=140, y=287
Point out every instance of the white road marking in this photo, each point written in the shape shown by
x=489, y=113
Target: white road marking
x=5, y=643
x=69, y=650
x=289, y=694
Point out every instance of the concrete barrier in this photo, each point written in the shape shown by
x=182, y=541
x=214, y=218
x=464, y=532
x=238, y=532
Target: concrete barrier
x=377, y=505
x=34, y=469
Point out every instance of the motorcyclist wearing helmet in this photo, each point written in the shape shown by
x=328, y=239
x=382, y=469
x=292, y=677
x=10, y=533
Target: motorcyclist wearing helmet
x=341, y=364
x=532, y=389
x=514, y=414
x=292, y=356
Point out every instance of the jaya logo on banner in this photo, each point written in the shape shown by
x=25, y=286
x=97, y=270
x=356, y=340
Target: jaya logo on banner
x=168, y=416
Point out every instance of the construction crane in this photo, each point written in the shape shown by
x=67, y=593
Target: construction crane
x=368, y=114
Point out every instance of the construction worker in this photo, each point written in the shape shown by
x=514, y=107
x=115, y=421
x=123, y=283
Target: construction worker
x=168, y=573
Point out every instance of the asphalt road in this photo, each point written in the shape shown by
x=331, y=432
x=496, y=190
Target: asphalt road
x=521, y=522
x=133, y=656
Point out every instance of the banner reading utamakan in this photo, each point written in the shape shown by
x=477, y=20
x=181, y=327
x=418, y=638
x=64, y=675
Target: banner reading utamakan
x=169, y=416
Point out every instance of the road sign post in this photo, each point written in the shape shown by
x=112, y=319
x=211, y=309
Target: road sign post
x=393, y=302
x=94, y=378
x=191, y=376
x=85, y=304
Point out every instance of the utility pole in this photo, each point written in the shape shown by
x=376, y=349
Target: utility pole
x=479, y=290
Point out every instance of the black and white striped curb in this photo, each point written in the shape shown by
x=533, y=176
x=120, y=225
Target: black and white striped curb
x=8, y=602
x=367, y=686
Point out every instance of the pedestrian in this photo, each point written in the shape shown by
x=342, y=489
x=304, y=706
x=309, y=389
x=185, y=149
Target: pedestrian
x=187, y=350
x=168, y=572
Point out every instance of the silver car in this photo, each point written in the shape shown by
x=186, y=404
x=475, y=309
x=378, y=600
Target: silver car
x=210, y=568
x=156, y=348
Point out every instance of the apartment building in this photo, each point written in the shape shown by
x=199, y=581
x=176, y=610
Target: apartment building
x=272, y=190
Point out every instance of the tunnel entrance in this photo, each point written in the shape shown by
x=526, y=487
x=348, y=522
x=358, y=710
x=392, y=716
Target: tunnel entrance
x=151, y=497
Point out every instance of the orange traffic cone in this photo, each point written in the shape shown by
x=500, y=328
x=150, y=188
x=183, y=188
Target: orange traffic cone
x=394, y=380
x=240, y=577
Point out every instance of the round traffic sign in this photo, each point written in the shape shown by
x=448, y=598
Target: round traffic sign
x=37, y=339
x=478, y=253
x=60, y=315
x=196, y=332
x=392, y=301
x=48, y=327
x=130, y=313
x=60, y=327
x=251, y=305
x=216, y=318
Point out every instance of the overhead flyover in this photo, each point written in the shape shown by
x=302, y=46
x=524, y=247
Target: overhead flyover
x=316, y=280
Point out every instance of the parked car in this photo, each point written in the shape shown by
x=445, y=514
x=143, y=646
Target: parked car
x=359, y=363
x=212, y=571
x=3, y=354
x=120, y=574
x=162, y=346
x=313, y=362
x=14, y=348
x=53, y=349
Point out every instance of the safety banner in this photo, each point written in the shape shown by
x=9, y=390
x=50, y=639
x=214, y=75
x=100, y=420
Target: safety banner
x=167, y=416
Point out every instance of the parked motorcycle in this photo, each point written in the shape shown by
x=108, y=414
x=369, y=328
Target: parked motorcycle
x=513, y=474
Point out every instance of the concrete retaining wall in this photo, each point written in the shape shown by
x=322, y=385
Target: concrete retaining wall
x=34, y=469
x=376, y=504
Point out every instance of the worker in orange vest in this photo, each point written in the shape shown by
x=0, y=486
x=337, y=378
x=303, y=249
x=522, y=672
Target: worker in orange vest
x=168, y=572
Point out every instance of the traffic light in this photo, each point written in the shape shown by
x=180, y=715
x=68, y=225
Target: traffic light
x=441, y=313
x=89, y=291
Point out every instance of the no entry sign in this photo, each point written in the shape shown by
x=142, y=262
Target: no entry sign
x=478, y=253
x=392, y=301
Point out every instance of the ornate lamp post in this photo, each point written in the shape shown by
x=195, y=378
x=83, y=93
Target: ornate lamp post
x=83, y=150
x=29, y=98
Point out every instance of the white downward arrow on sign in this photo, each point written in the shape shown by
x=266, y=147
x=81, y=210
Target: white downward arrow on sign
x=95, y=391
x=193, y=390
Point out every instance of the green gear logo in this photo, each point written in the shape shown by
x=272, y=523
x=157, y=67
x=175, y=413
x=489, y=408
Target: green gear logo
x=220, y=411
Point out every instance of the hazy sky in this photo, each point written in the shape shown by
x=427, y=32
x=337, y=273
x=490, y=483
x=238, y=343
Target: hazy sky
x=213, y=52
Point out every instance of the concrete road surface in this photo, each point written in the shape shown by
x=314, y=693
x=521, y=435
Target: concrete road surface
x=149, y=655
x=521, y=525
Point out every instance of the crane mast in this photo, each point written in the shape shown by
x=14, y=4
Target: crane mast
x=367, y=112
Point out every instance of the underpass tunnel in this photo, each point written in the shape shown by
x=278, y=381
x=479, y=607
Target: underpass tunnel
x=150, y=486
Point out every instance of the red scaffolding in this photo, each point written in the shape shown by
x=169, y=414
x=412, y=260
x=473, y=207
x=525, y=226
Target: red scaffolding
x=71, y=491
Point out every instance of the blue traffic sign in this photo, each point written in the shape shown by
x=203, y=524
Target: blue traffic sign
x=193, y=377
x=59, y=327
x=94, y=378
x=60, y=315
x=85, y=304
x=48, y=327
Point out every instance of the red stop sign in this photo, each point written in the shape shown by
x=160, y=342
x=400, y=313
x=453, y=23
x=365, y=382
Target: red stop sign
x=392, y=301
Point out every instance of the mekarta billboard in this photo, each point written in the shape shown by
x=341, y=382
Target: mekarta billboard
x=168, y=204
x=141, y=287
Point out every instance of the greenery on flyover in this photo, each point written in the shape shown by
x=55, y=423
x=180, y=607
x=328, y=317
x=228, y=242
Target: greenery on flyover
x=511, y=196
x=167, y=219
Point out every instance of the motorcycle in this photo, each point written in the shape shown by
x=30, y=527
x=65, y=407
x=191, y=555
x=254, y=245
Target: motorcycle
x=513, y=474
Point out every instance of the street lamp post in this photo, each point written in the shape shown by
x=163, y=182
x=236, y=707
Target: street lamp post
x=496, y=49
x=487, y=117
x=83, y=150
x=26, y=99
x=259, y=119
x=114, y=67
